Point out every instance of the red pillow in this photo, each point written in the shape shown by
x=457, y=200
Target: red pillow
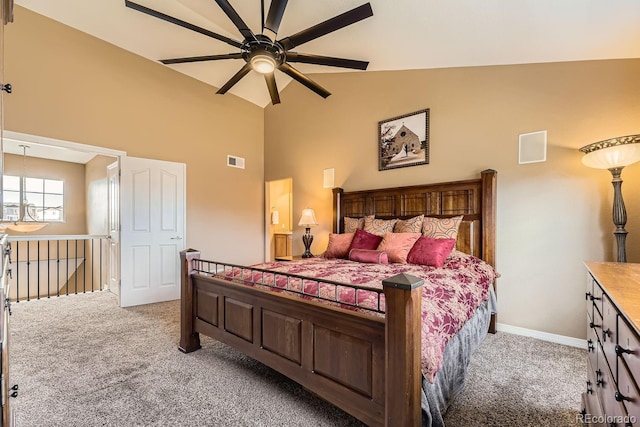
x=428, y=251
x=338, y=246
x=370, y=256
x=365, y=240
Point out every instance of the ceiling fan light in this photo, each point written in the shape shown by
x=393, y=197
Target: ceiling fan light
x=263, y=64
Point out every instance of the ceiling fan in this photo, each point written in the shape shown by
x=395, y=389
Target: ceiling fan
x=264, y=54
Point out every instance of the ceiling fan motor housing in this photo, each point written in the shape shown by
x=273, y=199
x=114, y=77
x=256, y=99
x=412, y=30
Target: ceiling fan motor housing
x=262, y=50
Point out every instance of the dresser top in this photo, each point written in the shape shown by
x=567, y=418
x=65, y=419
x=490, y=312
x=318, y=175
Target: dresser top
x=622, y=283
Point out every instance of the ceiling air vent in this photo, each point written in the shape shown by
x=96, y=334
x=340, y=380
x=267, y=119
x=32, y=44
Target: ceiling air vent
x=235, y=162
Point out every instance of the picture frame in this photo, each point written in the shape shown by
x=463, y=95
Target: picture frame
x=403, y=141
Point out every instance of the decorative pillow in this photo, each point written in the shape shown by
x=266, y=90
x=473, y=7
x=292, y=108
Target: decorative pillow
x=352, y=224
x=370, y=256
x=364, y=240
x=398, y=245
x=428, y=251
x=441, y=228
x=379, y=227
x=338, y=246
x=411, y=225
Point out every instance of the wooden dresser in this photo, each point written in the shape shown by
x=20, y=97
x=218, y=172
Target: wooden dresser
x=612, y=394
x=6, y=390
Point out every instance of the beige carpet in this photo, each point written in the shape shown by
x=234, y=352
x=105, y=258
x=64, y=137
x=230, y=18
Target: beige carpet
x=82, y=361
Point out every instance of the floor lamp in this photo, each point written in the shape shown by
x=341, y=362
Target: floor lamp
x=614, y=154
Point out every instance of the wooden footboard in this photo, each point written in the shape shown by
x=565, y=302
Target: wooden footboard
x=366, y=365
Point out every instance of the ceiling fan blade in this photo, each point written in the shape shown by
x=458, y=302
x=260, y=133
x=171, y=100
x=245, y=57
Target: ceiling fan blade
x=273, y=88
x=236, y=19
x=327, y=60
x=201, y=58
x=181, y=23
x=297, y=75
x=328, y=26
x=235, y=79
x=276, y=11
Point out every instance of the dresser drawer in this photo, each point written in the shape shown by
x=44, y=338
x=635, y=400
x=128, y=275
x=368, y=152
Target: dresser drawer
x=597, y=297
x=608, y=332
x=593, y=348
x=606, y=390
x=589, y=297
x=592, y=411
x=629, y=349
x=595, y=325
x=629, y=392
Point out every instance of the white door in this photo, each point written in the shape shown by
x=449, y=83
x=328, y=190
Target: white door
x=113, y=190
x=152, y=220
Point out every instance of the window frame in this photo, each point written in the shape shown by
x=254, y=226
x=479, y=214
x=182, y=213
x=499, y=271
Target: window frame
x=22, y=191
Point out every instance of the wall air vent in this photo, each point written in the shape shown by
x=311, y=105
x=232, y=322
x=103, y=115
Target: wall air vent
x=235, y=162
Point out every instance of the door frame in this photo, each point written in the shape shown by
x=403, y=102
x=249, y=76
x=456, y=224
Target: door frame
x=42, y=140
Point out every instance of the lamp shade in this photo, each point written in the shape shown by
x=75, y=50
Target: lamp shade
x=308, y=218
x=612, y=153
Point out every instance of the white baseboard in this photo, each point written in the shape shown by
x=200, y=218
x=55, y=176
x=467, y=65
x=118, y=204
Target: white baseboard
x=544, y=336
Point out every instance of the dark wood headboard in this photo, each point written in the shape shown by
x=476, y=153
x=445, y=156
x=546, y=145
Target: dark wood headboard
x=475, y=199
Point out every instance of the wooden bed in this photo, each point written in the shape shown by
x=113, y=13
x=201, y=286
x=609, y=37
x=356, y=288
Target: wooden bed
x=368, y=366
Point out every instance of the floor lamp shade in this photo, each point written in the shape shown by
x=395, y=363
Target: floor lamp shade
x=307, y=220
x=614, y=154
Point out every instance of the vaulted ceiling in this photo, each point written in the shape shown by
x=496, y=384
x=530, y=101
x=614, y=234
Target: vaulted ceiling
x=402, y=34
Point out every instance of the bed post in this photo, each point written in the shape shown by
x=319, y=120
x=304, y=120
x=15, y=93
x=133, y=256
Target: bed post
x=403, y=332
x=189, y=339
x=489, y=212
x=337, y=210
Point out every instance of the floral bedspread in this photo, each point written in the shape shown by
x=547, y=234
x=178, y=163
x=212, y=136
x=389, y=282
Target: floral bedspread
x=450, y=295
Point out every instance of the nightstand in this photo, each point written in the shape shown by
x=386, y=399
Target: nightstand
x=283, y=246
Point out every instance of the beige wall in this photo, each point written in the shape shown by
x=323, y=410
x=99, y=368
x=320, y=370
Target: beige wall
x=551, y=216
x=73, y=87
x=74, y=195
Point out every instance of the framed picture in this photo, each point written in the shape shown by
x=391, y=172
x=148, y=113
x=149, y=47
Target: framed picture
x=404, y=141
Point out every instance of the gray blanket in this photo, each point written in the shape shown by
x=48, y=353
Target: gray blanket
x=449, y=381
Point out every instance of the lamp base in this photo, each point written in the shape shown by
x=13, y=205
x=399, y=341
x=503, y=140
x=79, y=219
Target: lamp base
x=307, y=239
x=619, y=215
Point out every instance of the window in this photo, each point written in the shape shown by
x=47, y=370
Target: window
x=44, y=199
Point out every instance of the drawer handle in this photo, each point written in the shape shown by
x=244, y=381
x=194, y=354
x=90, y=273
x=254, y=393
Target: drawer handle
x=599, y=381
x=621, y=350
x=15, y=390
x=590, y=346
x=593, y=325
x=621, y=397
x=606, y=333
x=589, y=388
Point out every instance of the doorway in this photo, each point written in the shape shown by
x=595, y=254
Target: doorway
x=104, y=212
x=278, y=219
